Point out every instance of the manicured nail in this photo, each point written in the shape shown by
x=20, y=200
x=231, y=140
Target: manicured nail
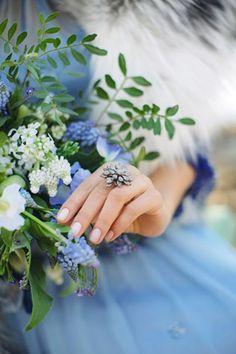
x=95, y=235
x=109, y=235
x=63, y=213
x=75, y=228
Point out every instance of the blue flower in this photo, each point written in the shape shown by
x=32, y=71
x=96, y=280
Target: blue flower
x=76, y=252
x=112, y=152
x=84, y=132
x=63, y=192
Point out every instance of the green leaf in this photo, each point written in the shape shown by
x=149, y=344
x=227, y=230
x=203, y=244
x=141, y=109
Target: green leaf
x=171, y=111
x=52, y=16
x=41, y=19
x=144, y=123
x=128, y=136
x=141, y=154
x=150, y=124
x=133, y=91
x=33, y=70
x=64, y=58
x=52, y=62
x=76, y=75
x=136, y=142
x=96, y=83
x=3, y=138
x=3, y=26
x=70, y=288
x=124, y=103
x=67, y=111
x=124, y=126
x=115, y=116
x=187, y=121
x=12, y=31
x=101, y=93
x=3, y=120
x=122, y=64
x=141, y=81
x=170, y=128
x=136, y=124
x=95, y=50
x=71, y=39
x=78, y=56
x=57, y=42
x=152, y=155
x=64, y=98
x=110, y=82
x=42, y=302
x=157, y=127
x=48, y=78
x=53, y=30
x=7, y=48
x=155, y=109
x=89, y=38
x=21, y=38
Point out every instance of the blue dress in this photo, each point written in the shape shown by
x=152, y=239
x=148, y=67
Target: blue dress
x=175, y=294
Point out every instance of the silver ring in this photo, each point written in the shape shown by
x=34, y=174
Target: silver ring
x=116, y=174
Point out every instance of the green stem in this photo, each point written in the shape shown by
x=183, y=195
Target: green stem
x=43, y=225
x=112, y=99
x=59, y=49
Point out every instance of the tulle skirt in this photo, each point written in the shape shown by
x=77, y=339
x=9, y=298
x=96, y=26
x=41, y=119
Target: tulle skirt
x=174, y=294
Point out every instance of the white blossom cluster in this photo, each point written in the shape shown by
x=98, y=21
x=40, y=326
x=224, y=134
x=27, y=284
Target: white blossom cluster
x=28, y=147
x=58, y=168
x=35, y=153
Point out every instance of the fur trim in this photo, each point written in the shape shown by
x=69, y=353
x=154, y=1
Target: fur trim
x=188, y=56
x=186, y=48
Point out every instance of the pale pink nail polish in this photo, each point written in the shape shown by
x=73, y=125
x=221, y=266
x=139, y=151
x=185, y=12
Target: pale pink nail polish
x=109, y=235
x=95, y=235
x=63, y=213
x=75, y=228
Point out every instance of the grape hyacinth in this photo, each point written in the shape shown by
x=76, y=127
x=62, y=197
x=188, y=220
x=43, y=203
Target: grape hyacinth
x=85, y=292
x=122, y=245
x=76, y=252
x=4, y=98
x=83, y=131
x=29, y=201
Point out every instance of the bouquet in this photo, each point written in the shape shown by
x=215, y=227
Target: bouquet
x=49, y=145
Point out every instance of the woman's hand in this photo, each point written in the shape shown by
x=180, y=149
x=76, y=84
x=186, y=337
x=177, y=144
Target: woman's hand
x=138, y=208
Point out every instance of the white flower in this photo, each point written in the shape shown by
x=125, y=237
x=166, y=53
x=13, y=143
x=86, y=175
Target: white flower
x=28, y=147
x=37, y=178
x=11, y=205
x=58, y=168
x=58, y=131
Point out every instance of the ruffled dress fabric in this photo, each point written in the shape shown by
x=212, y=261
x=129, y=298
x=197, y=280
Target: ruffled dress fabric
x=175, y=294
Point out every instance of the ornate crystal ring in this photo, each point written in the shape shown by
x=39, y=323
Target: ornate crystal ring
x=116, y=174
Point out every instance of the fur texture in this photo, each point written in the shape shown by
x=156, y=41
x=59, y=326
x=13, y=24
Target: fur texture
x=186, y=48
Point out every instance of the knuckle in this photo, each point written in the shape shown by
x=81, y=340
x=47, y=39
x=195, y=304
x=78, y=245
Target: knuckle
x=102, y=221
x=145, y=180
x=130, y=211
x=117, y=194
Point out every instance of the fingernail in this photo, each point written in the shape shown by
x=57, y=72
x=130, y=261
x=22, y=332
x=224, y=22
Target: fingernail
x=109, y=235
x=95, y=235
x=75, y=228
x=63, y=213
